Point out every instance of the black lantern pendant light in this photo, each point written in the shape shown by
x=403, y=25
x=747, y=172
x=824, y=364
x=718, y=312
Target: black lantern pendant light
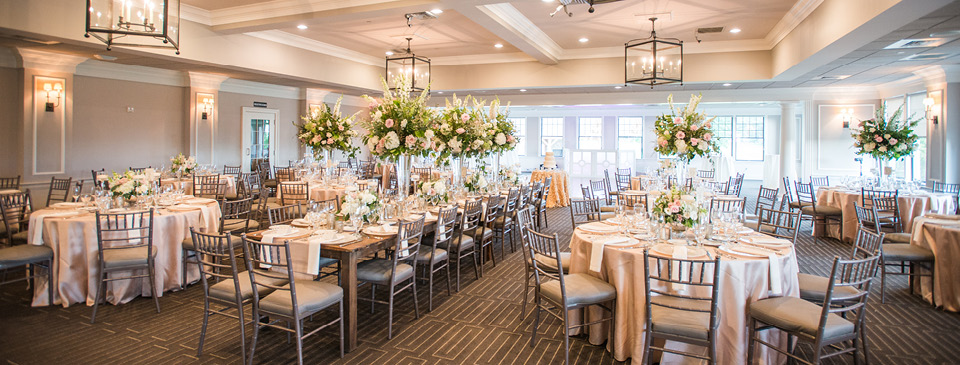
x=653, y=61
x=138, y=23
x=416, y=68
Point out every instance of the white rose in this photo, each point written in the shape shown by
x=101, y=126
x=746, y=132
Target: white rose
x=681, y=146
x=886, y=136
x=869, y=146
x=428, y=134
x=882, y=149
x=500, y=139
x=391, y=140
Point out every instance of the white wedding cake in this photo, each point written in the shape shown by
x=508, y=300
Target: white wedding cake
x=549, y=162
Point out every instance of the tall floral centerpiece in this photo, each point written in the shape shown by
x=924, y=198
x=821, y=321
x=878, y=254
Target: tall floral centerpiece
x=326, y=130
x=181, y=165
x=685, y=134
x=460, y=132
x=886, y=139
x=398, y=127
x=503, y=135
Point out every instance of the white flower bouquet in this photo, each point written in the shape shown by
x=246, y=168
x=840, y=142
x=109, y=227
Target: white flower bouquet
x=435, y=192
x=398, y=124
x=677, y=207
x=355, y=203
x=510, y=174
x=686, y=134
x=476, y=183
x=886, y=139
x=182, y=165
x=460, y=131
x=129, y=185
x=502, y=133
x=327, y=129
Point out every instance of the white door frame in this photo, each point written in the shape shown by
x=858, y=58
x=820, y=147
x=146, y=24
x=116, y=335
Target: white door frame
x=250, y=113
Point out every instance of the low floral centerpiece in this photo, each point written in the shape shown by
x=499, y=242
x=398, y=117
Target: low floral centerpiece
x=398, y=123
x=434, y=192
x=886, y=139
x=676, y=207
x=129, y=185
x=476, y=183
x=358, y=204
x=181, y=165
x=685, y=133
x=510, y=174
x=325, y=130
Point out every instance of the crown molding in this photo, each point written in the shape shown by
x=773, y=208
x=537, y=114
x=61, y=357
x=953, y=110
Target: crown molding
x=800, y=11
x=115, y=71
x=196, y=15
x=202, y=80
x=282, y=8
x=294, y=40
x=260, y=89
x=49, y=61
x=314, y=95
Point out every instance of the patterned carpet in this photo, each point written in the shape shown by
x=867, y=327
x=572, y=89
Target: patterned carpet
x=479, y=325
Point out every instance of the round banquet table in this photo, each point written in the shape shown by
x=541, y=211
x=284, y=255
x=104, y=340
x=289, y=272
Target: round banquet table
x=187, y=184
x=742, y=281
x=941, y=234
x=75, y=253
x=911, y=206
x=559, y=194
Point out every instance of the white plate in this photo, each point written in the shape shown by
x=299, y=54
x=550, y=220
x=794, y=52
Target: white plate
x=379, y=231
x=199, y=201
x=331, y=239
x=764, y=241
x=666, y=250
x=597, y=227
x=728, y=250
x=67, y=205
x=182, y=208
x=300, y=222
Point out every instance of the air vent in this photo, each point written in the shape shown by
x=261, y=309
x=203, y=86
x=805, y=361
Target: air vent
x=916, y=43
x=709, y=30
x=831, y=78
x=926, y=57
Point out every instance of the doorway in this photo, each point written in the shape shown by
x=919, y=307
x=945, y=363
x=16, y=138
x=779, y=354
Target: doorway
x=259, y=136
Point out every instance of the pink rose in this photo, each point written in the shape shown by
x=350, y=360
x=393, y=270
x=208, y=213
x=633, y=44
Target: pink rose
x=389, y=123
x=436, y=126
x=341, y=128
x=694, y=127
x=424, y=144
x=316, y=139
x=663, y=142
x=878, y=138
x=706, y=137
x=464, y=117
x=411, y=141
x=461, y=130
x=677, y=120
x=509, y=138
x=708, y=125
x=329, y=140
x=675, y=209
x=680, y=134
x=694, y=141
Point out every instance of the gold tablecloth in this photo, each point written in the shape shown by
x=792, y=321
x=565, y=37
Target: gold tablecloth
x=75, y=255
x=559, y=194
x=742, y=281
x=942, y=236
x=911, y=206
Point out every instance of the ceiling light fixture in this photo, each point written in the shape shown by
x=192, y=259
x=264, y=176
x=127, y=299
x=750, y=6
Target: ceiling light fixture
x=436, y=11
x=523, y=90
x=302, y=26
x=389, y=53
x=653, y=61
x=735, y=30
x=498, y=45
x=618, y=87
x=417, y=69
x=548, y=1
x=147, y=24
x=584, y=39
x=727, y=84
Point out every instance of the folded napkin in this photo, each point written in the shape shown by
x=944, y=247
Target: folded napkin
x=596, y=251
x=268, y=237
x=313, y=256
x=776, y=286
x=597, y=227
x=766, y=241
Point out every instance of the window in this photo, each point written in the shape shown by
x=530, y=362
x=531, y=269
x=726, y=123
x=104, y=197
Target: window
x=551, y=134
x=748, y=138
x=590, y=131
x=630, y=134
x=723, y=133
x=520, y=130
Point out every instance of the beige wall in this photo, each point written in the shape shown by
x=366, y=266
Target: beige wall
x=229, y=128
x=105, y=135
x=11, y=145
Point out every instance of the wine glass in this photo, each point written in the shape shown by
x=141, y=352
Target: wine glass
x=76, y=192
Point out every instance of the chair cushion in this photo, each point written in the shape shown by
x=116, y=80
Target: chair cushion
x=754, y=225
x=795, y=314
x=606, y=209
x=270, y=184
x=498, y=223
x=814, y=288
x=582, y=289
x=20, y=238
x=686, y=323
x=824, y=210
x=457, y=245
x=604, y=216
x=797, y=205
x=898, y=237
x=21, y=255
x=224, y=290
x=312, y=297
x=550, y=265
x=439, y=255
x=131, y=256
x=187, y=243
x=377, y=271
x=234, y=224
x=905, y=252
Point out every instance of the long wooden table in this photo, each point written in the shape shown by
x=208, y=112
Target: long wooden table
x=349, y=255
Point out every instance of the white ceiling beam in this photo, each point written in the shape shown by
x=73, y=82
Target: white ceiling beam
x=508, y=23
x=285, y=13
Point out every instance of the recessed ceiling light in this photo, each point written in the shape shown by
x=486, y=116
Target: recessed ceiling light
x=618, y=87
x=584, y=40
x=302, y=26
x=727, y=84
x=523, y=90
x=498, y=45
x=548, y=1
x=389, y=53
x=439, y=92
x=436, y=11
x=735, y=30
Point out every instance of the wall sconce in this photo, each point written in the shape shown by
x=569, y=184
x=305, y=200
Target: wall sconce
x=53, y=92
x=928, y=105
x=207, y=107
x=847, y=116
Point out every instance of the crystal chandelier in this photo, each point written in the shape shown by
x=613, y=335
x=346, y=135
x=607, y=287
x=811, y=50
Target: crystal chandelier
x=653, y=61
x=147, y=23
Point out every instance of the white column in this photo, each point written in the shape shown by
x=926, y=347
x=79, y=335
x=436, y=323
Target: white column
x=788, y=139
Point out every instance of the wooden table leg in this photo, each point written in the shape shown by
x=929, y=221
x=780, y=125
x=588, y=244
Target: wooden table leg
x=348, y=281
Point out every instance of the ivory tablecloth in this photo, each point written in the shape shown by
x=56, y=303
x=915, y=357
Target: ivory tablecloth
x=911, y=206
x=75, y=255
x=742, y=281
x=559, y=194
x=942, y=236
x=187, y=184
x=321, y=192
